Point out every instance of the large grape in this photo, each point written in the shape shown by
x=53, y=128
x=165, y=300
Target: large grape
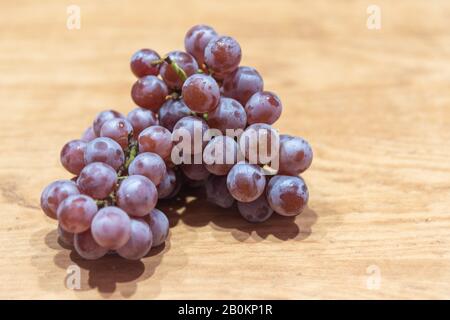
x=192, y=129
x=104, y=150
x=140, y=241
x=259, y=143
x=184, y=61
x=229, y=114
x=102, y=117
x=111, y=228
x=201, y=93
x=97, y=180
x=242, y=84
x=220, y=155
x=169, y=185
x=76, y=212
x=263, y=107
x=196, y=40
x=142, y=63
x=156, y=139
x=55, y=193
x=149, y=92
x=137, y=195
x=172, y=111
x=141, y=119
x=150, y=165
x=72, y=156
x=246, y=182
x=217, y=191
x=159, y=225
x=223, y=54
x=119, y=130
x=287, y=196
x=295, y=155
x=87, y=247
x=256, y=211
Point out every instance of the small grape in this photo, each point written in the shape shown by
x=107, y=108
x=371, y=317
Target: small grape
x=287, y=195
x=76, y=212
x=88, y=135
x=246, y=182
x=54, y=194
x=141, y=63
x=140, y=241
x=172, y=111
x=185, y=61
x=195, y=172
x=263, y=107
x=295, y=155
x=196, y=40
x=259, y=143
x=220, y=155
x=194, y=128
x=150, y=165
x=201, y=93
x=170, y=185
x=87, y=247
x=72, y=156
x=118, y=130
x=65, y=237
x=104, y=116
x=217, y=191
x=223, y=54
x=159, y=224
x=97, y=180
x=137, y=195
x=242, y=84
x=149, y=92
x=255, y=211
x=156, y=139
x=111, y=228
x=229, y=114
x=104, y=150
x=141, y=119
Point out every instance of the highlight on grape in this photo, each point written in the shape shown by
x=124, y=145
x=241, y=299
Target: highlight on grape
x=201, y=120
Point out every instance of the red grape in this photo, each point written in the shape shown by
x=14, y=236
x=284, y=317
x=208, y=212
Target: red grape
x=149, y=92
x=141, y=63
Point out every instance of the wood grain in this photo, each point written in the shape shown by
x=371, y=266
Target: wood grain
x=374, y=105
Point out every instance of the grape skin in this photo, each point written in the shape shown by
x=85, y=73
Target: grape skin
x=217, y=191
x=259, y=143
x=201, y=93
x=118, y=130
x=287, y=196
x=229, y=114
x=246, y=182
x=172, y=111
x=156, y=139
x=87, y=247
x=104, y=150
x=223, y=149
x=72, y=156
x=88, y=135
x=149, y=92
x=137, y=195
x=140, y=241
x=65, y=237
x=111, y=228
x=223, y=54
x=150, y=165
x=170, y=185
x=97, y=180
x=195, y=127
x=255, y=211
x=185, y=61
x=141, y=119
x=159, y=225
x=55, y=193
x=195, y=172
x=141, y=63
x=196, y=40
x=76, y=212
x=263, y=107
x=296, y=155
x=102, y=117
x=242, y=84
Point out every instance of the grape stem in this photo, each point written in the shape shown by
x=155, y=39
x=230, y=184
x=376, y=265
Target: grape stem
x=180, y=72
x=132, y=155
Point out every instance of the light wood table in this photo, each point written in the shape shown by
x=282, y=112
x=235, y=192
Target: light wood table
x=375, y=105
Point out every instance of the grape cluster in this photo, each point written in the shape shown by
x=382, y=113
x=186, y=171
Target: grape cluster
x=124, y=164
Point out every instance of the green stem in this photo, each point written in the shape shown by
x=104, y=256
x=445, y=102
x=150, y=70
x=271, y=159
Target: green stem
x=180, y=72
x=132, y=155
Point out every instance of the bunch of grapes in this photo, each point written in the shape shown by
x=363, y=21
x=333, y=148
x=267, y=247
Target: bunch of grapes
x=124, y=164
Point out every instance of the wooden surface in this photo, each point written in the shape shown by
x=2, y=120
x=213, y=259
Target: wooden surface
x=373, y=103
